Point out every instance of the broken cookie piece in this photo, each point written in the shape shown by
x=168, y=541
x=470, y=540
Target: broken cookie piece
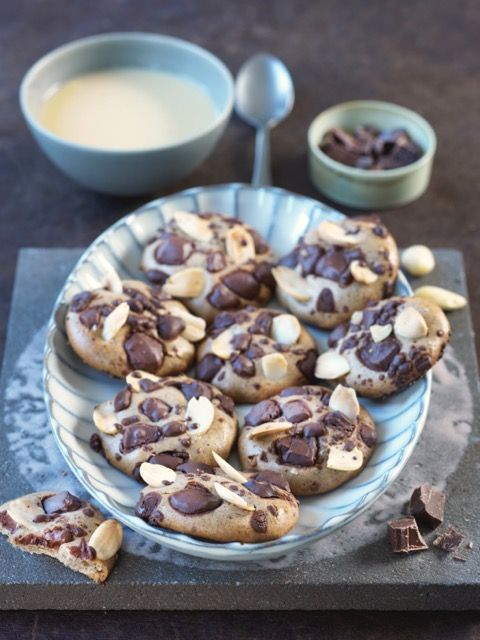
x=404, y=536
x=64, y=527
x=427, y=504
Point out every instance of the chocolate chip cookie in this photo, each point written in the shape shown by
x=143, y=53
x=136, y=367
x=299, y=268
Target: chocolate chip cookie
x=386, y=347
x=64, y=527
x=223, y=505
x=336, y=269
x=253, y=353
x=132, y=326
x=213, y=262
x=318, y=439
x=167, y=421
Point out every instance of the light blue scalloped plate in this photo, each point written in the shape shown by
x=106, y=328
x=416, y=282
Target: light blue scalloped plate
x=72, y=389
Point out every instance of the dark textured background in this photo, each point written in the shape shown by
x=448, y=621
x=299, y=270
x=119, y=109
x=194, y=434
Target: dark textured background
x=423, y=54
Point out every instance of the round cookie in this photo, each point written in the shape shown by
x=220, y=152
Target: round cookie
x=214, y=505
x=213, y=262
x=253, y=353
x=386, y=347
x=167, y=421
x=336, y=269
x=136, y=326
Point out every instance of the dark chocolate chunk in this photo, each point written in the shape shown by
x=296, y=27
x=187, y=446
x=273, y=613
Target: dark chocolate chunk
x=254, y=351
x=296, y=411
x=263, y=273
x=243, y=283
x=81, y=301
x=273, y=477
x=379, y=355
x=325, y=301
x=7, y=522
x=368, y=435
x=123, y=399
x=290, y=260
x=427, y=505
x=314, y=430
x=264, y=411
x=208, y=367
x=96, y=444
x=195, y=389
x=175, y=428
x=195, y=467
x=169, y=327
x=241, y=341
x=90, y=318
x=147, y=504
x=156, y=276
x=61, y=503
x=223, y=320
x=306, y=365
x=337, y=334
x=138, y=434
x=262, y=489
x=260, y=244
x=195, y=498
x=222, y=298
x=154, y=408
x=404, y=536
x=243, y=366
x=308, y=256
x=170, y=459
x=173, y=249
x=83, y=551
x=259, y=521
x=449, y=540
x=226, y=404
x=148, y=385
x=216, y=261
x=297, y=451
x=144, y=352
x=263, y=323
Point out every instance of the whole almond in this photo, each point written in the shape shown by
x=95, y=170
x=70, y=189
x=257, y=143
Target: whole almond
x=188, y=283
x=107, y=539
x=410, y=324
x=418, y=260
x=156, y=475
x=445, y=299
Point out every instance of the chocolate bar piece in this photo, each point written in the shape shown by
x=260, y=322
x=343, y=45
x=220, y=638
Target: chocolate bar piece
x=404, y=535
x=449, y=540
x=427, y=505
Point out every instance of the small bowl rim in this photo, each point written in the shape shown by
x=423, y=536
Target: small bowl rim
x=373, y=174
x=37, y=67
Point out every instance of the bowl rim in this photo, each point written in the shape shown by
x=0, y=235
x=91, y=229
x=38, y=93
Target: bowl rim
x=372, y=174
x=36, y=68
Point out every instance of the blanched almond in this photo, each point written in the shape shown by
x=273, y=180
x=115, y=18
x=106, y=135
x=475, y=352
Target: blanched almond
x=418, y=260
x=188, y=283
x=344, y=400
x=193, y=226
x=156, y=475
x=105, y=419
x=331, y=365
x=134, y=377
x=107, y=539
x=115, y=320
x=268, y=428
x=200, y=412
x=410, y=324
x=274, y=366
x=239, y=244
x=357, y=317
x=291, y=283
x=445, y=299
x=232, y=498
x=286, y=329
x=380, y=331
x=361, y=273
x=332, y=233
x=342, y=460
x=221, y=345
x=194, y=326
x=228, y=470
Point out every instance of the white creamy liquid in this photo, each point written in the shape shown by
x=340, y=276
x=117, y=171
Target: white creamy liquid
x=127, y=108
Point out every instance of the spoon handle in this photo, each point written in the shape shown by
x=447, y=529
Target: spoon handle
x=261, y=166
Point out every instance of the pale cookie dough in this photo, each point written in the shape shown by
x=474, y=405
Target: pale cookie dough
x=253, y=353
x=211, y=261
x=317, y=439
x=136, y=326
x=386, y=347
x=167, y=421
x=336, y=269
x=222, y=505
x=64, y=527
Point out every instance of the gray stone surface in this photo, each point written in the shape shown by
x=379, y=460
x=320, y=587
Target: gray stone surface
x=341, y=572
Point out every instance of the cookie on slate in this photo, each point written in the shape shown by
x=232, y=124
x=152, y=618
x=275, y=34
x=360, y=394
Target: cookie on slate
x=253, y=353
x=167, y=421
x=213, y=262
x=316, y=438
x=223, y=505
x=386, y=347
x=132, y=326
x=336, y=269
x=64, y=527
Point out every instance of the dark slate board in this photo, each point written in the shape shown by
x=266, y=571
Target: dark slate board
x=352, y=569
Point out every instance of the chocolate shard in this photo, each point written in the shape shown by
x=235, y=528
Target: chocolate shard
x=427, y=505
x=404, y=536
x=450, y=540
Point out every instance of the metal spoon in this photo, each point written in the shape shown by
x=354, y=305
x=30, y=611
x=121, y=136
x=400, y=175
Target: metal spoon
x=264, y=96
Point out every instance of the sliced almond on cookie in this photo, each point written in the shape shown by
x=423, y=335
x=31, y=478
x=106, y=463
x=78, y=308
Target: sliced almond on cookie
x=106, y=539
x=286, y=329
x=232, y=497
x=357, y=317
x=228, y=470
x=335, y=234
x=410, y=324
x=344, y=400
x=194, y=326
x=222, y=345
x=156, y=475
x=115, y=320
x=331, y=365
x=193, y=226
x=268, y=428
x=380, y=331
x=239, y=244
x=200, y=412
x=361, y=273
x=445, y=299
x=188, y=283
x=342, y=460
x=291, y=283
x=112, y=281
x=105, y=419
x=134, y=377
x=274, y=366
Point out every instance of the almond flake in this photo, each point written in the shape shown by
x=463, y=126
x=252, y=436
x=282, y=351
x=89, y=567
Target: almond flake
x=105, y=419
x=344, y=400
x=115, y=320
x=331, y=365
x=286, y=329
x=335, y=234
x=156, y=475
x=274, y=366
x=193, y=226
x=361, y=273
x=188, y=283
x=291, y=283
x=268, y=428
x=228, y=470
x=410, y=324
x=222, y=346
x=232, y=498
x=200, y=412
x=239, y=244
x=380, y=331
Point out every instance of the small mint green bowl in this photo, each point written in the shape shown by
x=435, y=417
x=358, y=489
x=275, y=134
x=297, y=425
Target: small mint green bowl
x=370, y=189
